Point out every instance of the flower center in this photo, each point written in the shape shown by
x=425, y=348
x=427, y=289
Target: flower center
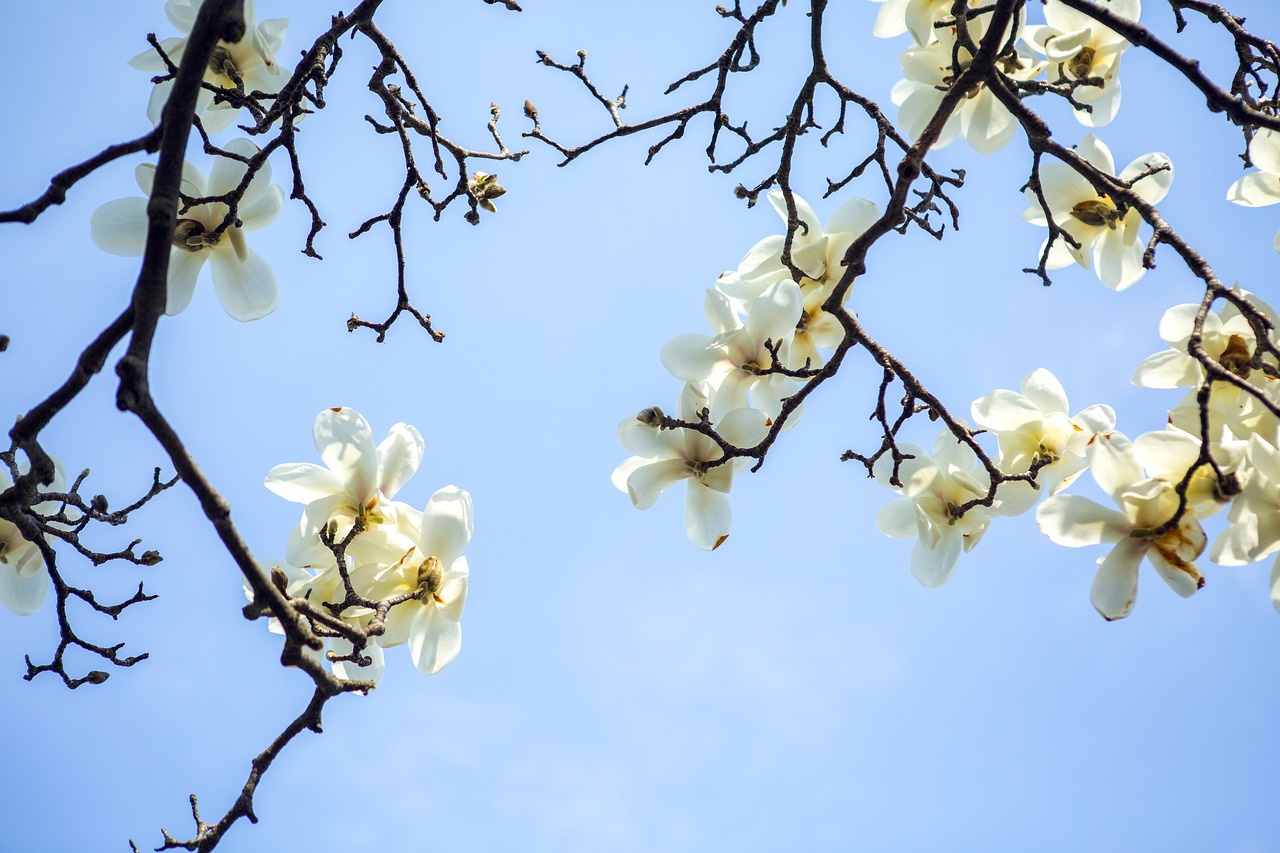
x=367, y=513
x=220, y=62
x=1236, y=357
x=1082, y=63
x=1043, y=456
x=190, y=235
x=1097, y=212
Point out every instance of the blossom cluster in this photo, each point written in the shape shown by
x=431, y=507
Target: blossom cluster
x=1081, y=60
x=1163, y=483
x=356, y=548
x=768, y=331
x=208, y=229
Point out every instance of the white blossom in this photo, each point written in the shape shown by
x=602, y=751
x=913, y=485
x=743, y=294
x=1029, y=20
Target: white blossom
x=928, y=72
x=1262, y=187
x=436, y=573
x=665, y=457
x=1093, y=220
x=1078, y=48
x=933, y=488
x=357, y=482
x=1033, y=428
x=1145, y=504
x=252, y=60
x=242, y=279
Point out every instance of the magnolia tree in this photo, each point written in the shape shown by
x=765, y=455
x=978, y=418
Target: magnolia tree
x=222, y=107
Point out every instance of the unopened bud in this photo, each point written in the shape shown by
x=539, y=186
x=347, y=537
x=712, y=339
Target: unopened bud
x=431, y=575
x=99, y=503
x=97, y=676
x=530, y=111
x=150, y=558
x=4, y=342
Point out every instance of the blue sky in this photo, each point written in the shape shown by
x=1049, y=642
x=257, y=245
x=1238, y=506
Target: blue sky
x=618, y=689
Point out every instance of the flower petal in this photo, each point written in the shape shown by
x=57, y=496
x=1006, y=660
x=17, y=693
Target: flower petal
x=184, y=269
x=120, y=227
x=1076, y=521
x=433, y=640
x=447, y=523
x=303, y=482
x=933, y=566
x=707, y=516
x=1115, y=586
x=399, y=456
x=247, y=289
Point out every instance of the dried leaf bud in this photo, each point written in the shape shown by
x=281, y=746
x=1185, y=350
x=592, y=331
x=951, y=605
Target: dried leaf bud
x=150, y=558
x=651, y=416
x=1096, y=212
x=280, y=580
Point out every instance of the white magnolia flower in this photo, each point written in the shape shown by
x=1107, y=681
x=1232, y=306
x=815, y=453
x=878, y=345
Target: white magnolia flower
x=1033, y=428
x=933, y=488
x=1234, y=413
x=252, y=60
x=817, y=252
x=1078, y=48
x=1254, y=531
x=665, y=457
x=244, y=282
x=358, y=483
x=1092, y=219
x=1228, y=339
x=1260, y=188
x=24, y=583
x=732, y=361
x=1170, y=453
x=981, y=120
x=1145, y=504
x=436, y=572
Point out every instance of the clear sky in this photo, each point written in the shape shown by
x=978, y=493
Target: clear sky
x=618, y=689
